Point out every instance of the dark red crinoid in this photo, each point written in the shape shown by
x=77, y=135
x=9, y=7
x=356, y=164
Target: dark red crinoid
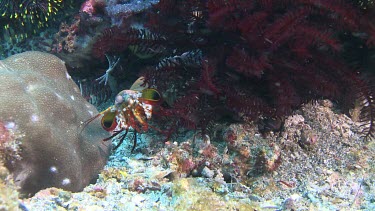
x=253, y=58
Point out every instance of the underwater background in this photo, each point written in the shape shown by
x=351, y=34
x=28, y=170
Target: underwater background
x=187, y=105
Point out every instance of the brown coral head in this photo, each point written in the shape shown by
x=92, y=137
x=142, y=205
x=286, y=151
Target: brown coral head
x=41, y=113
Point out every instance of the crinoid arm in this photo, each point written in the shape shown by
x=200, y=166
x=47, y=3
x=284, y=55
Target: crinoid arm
x=367, y=113
x=112, y=63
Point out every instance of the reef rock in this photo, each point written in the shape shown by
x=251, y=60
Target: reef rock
x=41, y=102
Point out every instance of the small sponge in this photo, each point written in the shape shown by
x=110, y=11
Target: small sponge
x=40, y=101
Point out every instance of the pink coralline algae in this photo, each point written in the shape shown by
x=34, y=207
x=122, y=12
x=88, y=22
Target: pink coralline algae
x=91, y=6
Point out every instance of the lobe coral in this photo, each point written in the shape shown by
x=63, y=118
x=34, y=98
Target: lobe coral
x=43, y=109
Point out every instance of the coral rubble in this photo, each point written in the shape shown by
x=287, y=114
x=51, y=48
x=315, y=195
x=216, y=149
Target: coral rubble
x=335, y=171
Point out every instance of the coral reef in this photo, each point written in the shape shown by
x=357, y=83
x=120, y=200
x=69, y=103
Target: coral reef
x=41, y=102
x=242, y=122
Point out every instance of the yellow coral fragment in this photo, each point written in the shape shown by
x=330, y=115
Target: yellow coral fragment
x=123, y=174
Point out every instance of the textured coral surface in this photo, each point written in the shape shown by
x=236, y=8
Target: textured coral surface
x=40, y=101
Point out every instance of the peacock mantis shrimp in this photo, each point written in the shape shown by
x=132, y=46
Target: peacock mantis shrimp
x=132, y=109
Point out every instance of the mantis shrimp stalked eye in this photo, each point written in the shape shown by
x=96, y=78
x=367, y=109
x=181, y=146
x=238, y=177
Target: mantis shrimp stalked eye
x=132, y=109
